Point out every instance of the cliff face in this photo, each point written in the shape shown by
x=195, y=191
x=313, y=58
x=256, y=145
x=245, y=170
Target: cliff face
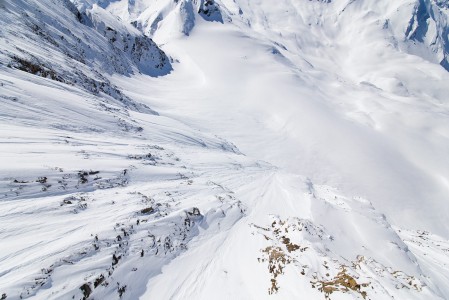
x=428, y=28
x=54, y=39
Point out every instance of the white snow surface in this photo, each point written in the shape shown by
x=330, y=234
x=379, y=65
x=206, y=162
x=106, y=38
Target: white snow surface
x=227, y=149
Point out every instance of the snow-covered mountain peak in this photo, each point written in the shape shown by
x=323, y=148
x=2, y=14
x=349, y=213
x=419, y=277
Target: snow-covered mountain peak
x=174, y=18
x=428, y=29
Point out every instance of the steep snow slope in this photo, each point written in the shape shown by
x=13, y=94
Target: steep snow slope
x=289, y=138
x=53, y=39
x=330, y=79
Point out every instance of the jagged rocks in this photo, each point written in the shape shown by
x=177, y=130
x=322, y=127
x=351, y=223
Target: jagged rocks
x=209, y=10
x=428, y=26
x=87, y=290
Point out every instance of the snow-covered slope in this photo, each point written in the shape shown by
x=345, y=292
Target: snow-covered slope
x=53, y=39
x=332, y=81
x=288, y=149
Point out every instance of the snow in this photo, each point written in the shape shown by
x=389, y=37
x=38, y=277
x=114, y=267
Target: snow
x=285, y=150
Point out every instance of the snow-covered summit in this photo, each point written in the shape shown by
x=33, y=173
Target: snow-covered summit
x=174, y=18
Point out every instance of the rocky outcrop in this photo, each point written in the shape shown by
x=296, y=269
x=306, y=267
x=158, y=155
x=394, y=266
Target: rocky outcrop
x=428, y=26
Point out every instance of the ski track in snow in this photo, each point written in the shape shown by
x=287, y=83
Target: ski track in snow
x=292, y=150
